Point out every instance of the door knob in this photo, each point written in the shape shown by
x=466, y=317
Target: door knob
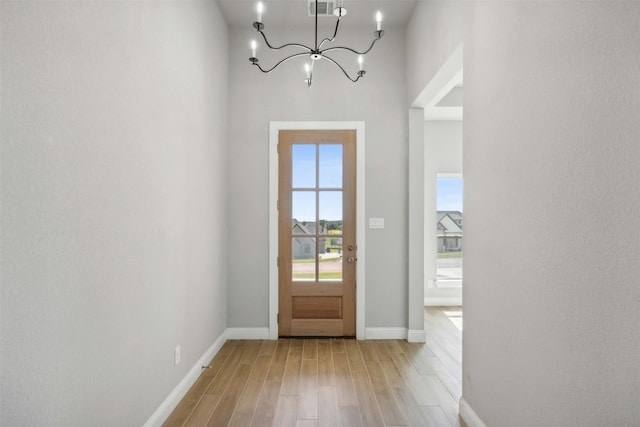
x=350, y=260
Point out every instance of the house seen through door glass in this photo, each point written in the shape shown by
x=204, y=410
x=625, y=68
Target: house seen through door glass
x=449, y=233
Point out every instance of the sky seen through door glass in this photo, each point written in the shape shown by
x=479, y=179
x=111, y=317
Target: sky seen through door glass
x=330, y=177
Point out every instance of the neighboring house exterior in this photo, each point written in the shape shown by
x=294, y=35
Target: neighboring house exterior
x=305, y=247
x=449, y=231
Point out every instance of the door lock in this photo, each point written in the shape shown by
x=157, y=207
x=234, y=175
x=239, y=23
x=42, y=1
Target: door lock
x=351, y=259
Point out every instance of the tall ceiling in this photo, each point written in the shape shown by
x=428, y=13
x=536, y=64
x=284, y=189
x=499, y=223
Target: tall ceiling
x=293, y=13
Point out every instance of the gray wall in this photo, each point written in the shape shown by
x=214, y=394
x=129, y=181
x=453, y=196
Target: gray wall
x=113, y=195
x=379, y=100
x=552, y=100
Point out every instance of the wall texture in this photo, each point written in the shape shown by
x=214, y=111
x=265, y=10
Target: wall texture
x=379, y=100
x=113, y=196
x=552, y=100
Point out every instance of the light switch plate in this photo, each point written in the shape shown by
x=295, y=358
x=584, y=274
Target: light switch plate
x=376, y=223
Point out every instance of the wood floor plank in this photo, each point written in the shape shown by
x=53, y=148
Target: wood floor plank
x=381, y=350
x=369, y=409
x=367, y=351
x=435, y=417
x=224, y=409
x=416, y=359
x=202, y=413
x=446, y=402
x=344, y=381
x=248, y=401
x=393, y=346
x=268, y=347
x=412, y=378
x=265, y=411
x=327, y=406
x=337, y=345
x=356, y=363
x=307, y=423
x=310, y=349
x=308, y=397
x=286, y=411
x=219, y=359
x=226, y=371
x=291, y=376
x=349, y=416
x=326, y=371
x=450, y=381
x=389, y=408
x=189, y=402
x=402, y=393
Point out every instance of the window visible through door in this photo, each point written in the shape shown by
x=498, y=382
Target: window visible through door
x=449, y=234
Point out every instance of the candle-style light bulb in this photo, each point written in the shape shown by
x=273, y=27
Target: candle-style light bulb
x=360, y=61
x=307, y=69
x=260, y=9
x=254, y=46
x=379, y=20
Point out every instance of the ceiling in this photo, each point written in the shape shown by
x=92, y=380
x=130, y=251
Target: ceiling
x=293, y=13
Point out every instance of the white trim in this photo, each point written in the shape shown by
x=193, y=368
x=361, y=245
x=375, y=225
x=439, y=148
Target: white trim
x=386, y=333
x=169, y=404
x=247, y=333
x=274, y=128
x=442, y=301
x=416, y=335
x=468, y=415
x=448, y=76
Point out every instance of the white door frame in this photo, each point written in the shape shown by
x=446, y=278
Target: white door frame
x=274, y=128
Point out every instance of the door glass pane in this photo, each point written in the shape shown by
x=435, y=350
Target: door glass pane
x=330, y=211
x=330, y=166
x=303, y=209
x=303, y=165
x=330, y=266
x=303, y=258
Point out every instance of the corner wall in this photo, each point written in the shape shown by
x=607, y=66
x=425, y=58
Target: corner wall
x=552, y=101
x=113, y=197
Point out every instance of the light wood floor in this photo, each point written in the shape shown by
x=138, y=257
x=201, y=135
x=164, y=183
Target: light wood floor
x=332, y=382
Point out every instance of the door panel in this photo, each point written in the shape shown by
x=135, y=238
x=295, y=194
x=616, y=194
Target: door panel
x=316, y=222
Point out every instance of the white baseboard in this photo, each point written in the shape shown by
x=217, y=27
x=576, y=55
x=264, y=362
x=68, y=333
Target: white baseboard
x=385, y=333
x=416, y=335
x=442, y=301
x=169, y=404
x=247, y=333
x=468, y=415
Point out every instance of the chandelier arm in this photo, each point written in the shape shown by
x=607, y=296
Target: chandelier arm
x=353, y=50
x=327, y=39
x=343, y=70
x=284, y=45
x=279, y=62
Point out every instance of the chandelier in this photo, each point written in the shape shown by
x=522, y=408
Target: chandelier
x=316, y=52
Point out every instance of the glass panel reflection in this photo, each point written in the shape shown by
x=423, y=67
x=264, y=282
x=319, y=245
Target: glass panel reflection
x=330, y=165
x=303, y=264
x=303, y=158
x=303, y=209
